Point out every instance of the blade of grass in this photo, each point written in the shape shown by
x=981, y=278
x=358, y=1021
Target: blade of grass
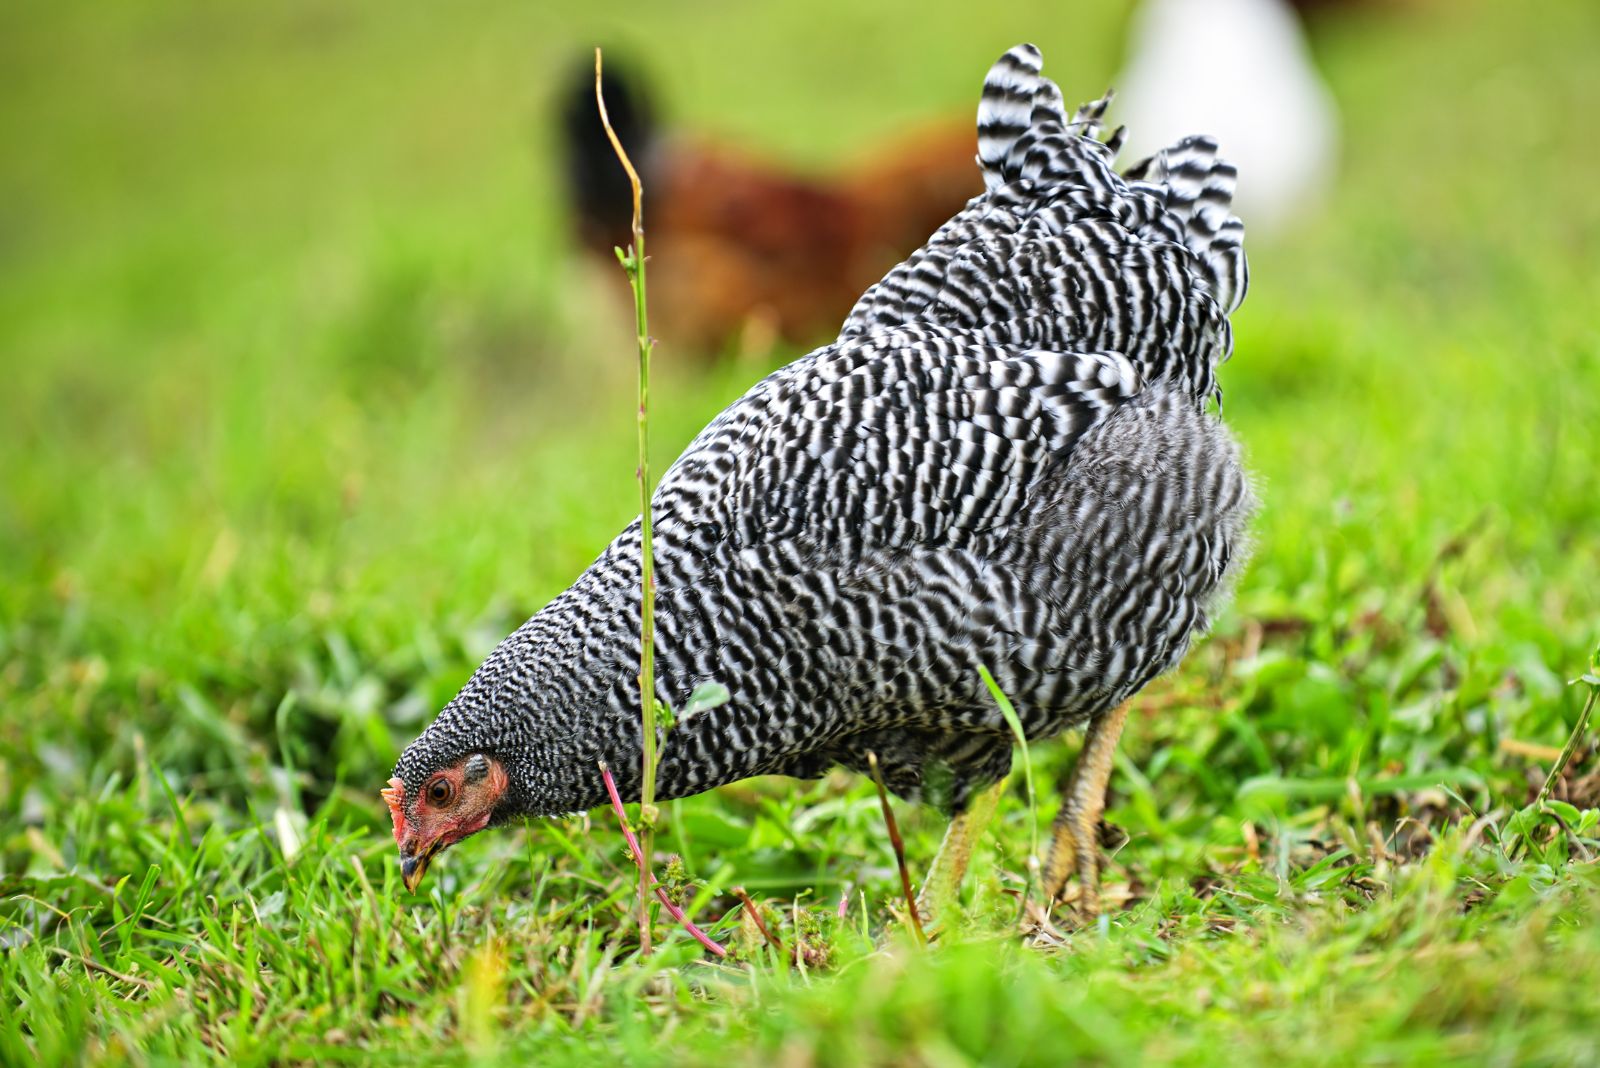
x=1008, y=711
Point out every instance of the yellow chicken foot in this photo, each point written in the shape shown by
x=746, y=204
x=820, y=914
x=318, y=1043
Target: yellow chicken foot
x=942, y=888
x=1075, y=844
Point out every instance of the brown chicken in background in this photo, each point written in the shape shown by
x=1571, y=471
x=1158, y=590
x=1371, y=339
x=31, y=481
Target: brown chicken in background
x=744, y=252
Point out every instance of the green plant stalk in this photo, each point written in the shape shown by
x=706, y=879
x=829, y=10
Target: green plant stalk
x=647, y=604
x=1590, y=679
x=1579, y=729
x=633, y=262
x=1015, y=723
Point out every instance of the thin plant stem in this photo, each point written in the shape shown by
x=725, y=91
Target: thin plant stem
x=899, y=847
x=754, y=913
x=646, y=876
x=633, y=263
x=1578, y=731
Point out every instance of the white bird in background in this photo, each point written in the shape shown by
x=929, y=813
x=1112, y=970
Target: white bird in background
x=1240, y=71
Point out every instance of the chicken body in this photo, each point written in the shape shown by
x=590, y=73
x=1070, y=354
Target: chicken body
x=1005, y=460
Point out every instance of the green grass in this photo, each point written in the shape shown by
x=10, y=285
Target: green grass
x=303, y=409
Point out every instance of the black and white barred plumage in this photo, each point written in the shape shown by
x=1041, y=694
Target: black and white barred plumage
x=1004, y=460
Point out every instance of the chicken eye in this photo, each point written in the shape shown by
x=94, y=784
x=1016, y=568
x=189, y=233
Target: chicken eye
x=440, y=791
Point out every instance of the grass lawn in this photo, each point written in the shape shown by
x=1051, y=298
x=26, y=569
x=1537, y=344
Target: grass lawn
x=305, y=405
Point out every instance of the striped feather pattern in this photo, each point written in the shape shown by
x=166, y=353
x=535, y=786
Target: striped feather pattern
x=1004, y=460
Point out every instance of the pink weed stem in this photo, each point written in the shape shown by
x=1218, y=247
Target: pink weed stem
x=638, y=859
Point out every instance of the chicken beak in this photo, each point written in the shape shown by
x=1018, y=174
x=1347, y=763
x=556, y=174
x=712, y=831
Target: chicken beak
x=414, y=863
x=412, y=869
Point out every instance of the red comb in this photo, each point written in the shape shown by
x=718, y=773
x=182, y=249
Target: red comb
x=394, y=795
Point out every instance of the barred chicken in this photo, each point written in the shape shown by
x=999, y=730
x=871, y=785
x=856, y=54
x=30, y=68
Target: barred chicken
x=1006, y=459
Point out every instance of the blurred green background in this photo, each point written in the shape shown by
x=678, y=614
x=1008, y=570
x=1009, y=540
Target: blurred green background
x=306, y=400
x=297, y=344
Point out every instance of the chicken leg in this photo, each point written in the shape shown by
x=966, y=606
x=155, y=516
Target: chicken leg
x=1074, y=844
x=943, y=884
